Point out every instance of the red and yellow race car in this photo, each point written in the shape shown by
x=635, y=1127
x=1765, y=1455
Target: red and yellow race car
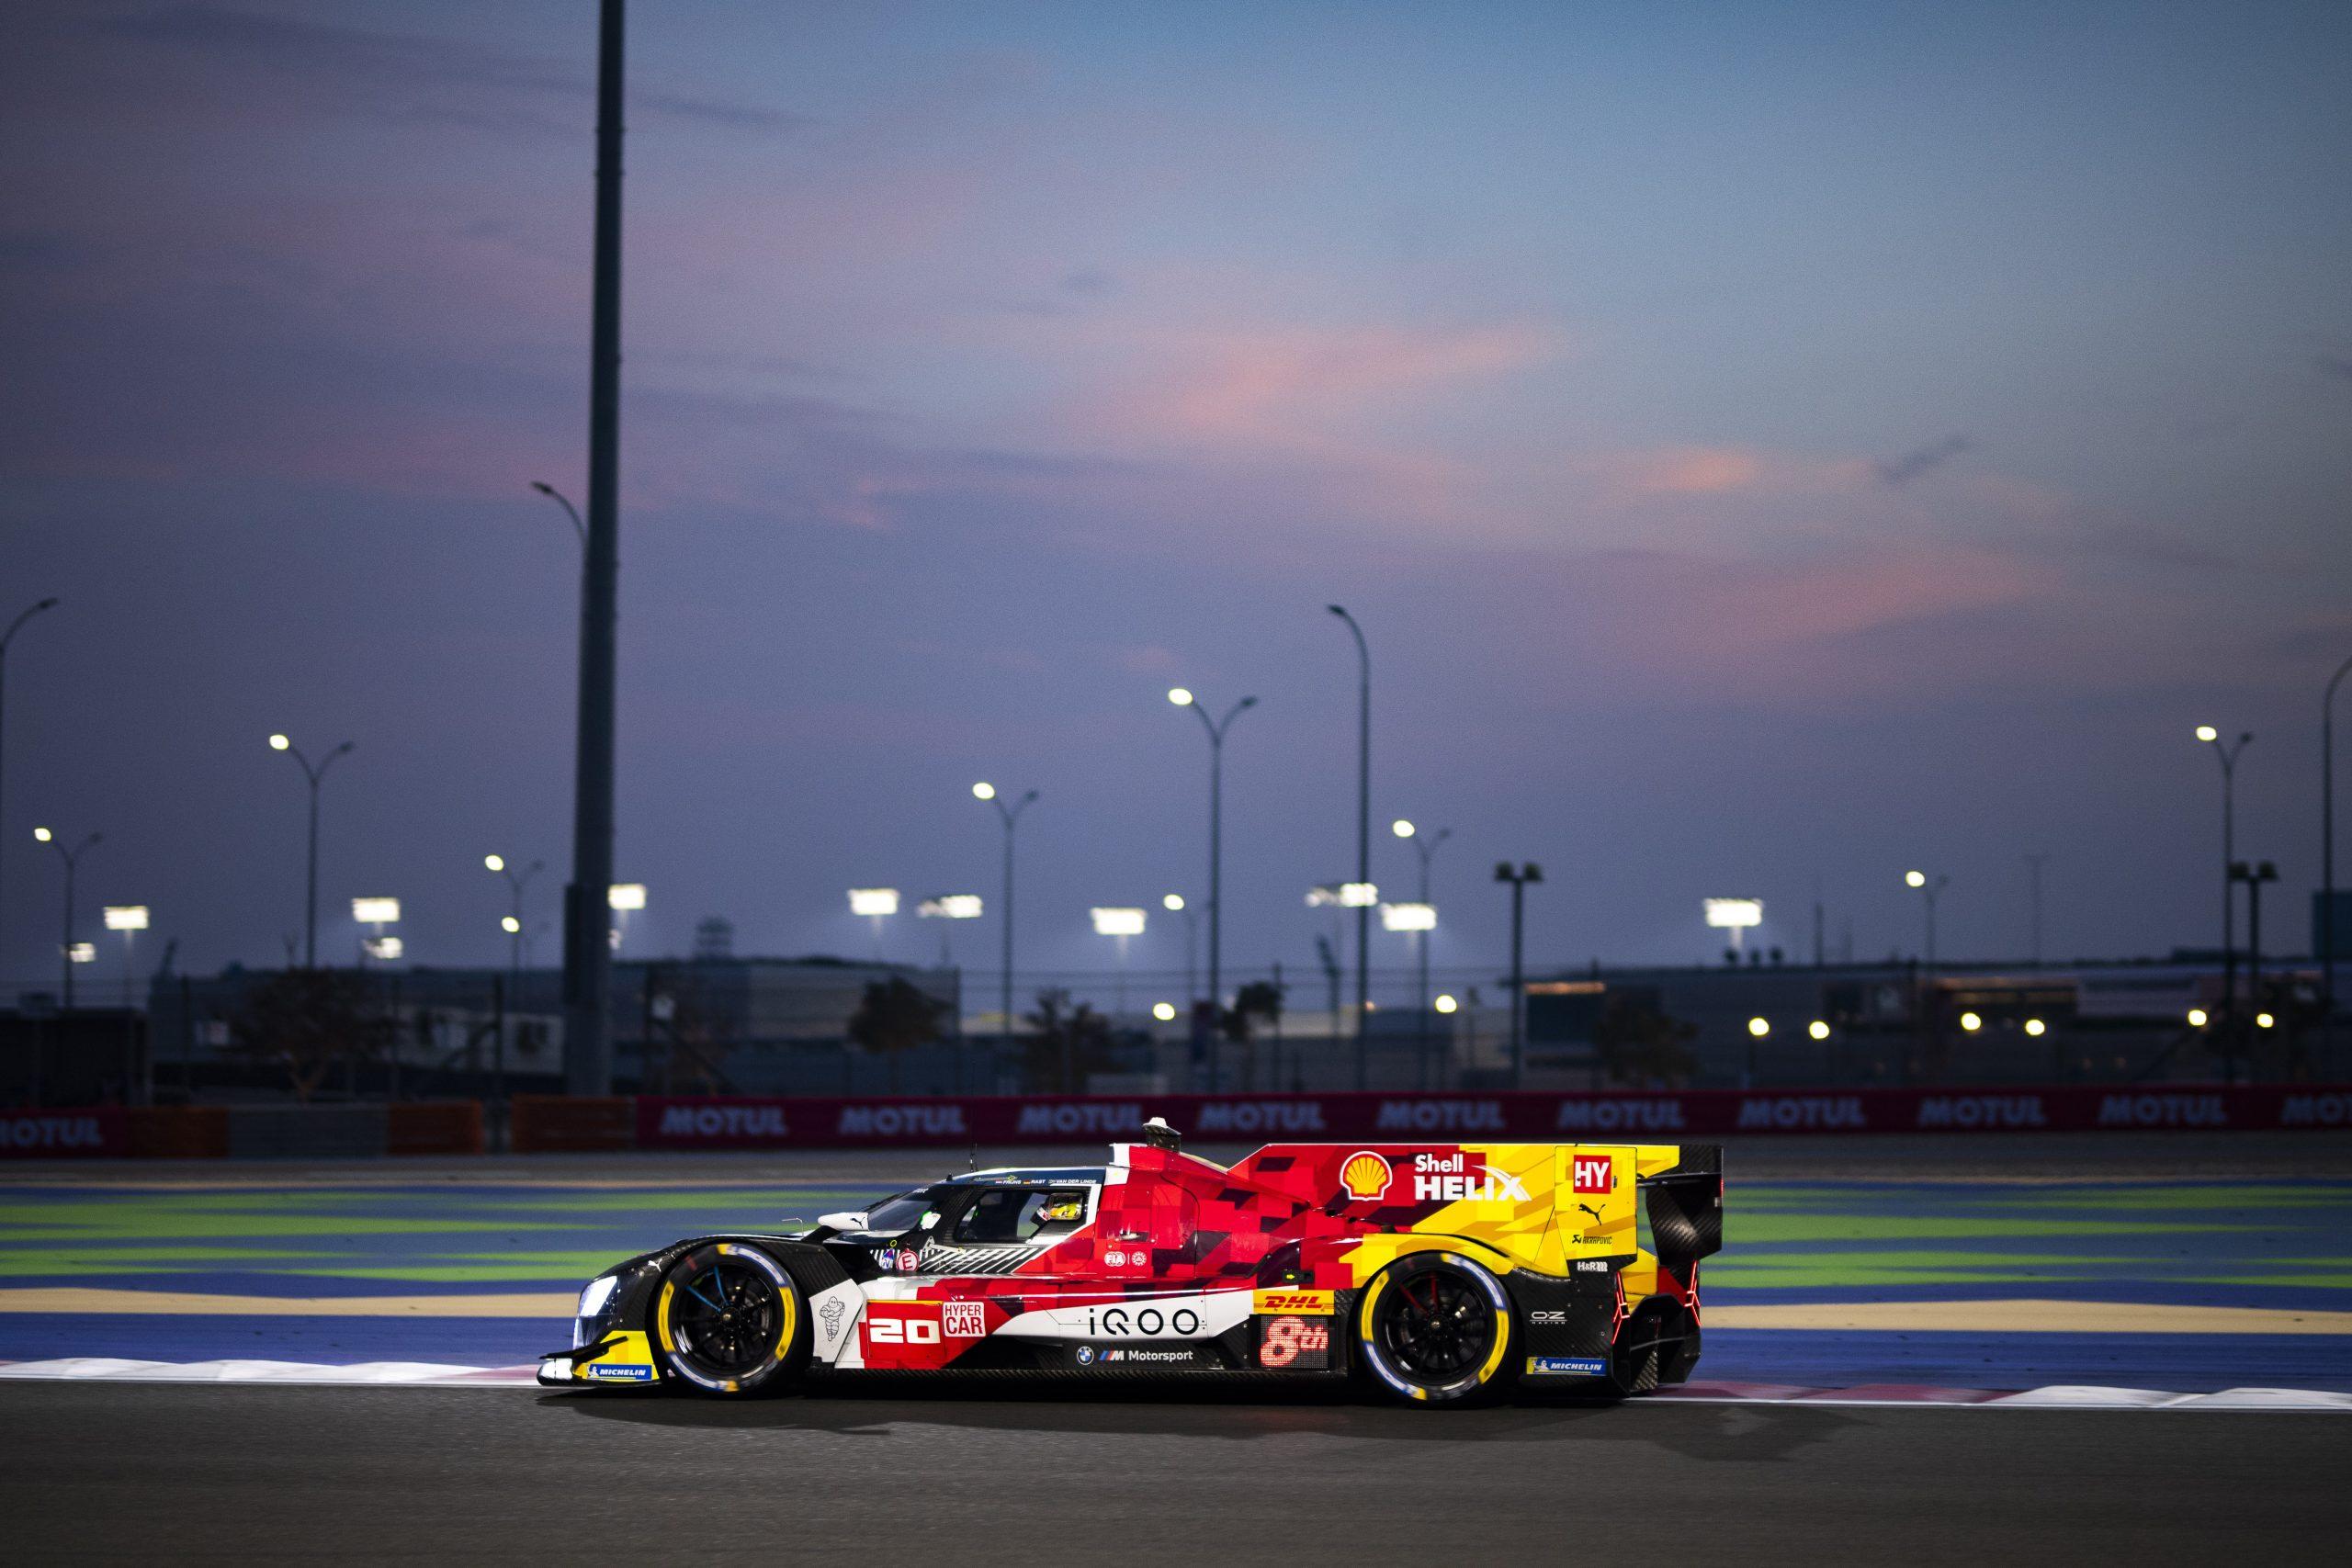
x=1436, y=1272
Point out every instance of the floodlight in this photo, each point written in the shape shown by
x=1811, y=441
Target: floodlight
x=626, y=896
x=384, y=947
x=1734, y=914
x=376, y=911
x=874, y=901
x=1117, y=921
x=83, y=953
x=951, y=907
x=1358, y=895
x=126, y=917
x=1408, y=917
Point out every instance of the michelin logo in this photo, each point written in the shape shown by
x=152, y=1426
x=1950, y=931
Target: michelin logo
x=1567, y=1366
x=603, y=1373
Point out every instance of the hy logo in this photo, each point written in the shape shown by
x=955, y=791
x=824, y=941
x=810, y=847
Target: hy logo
x=1367, y=1177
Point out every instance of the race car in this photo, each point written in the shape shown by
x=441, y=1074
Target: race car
x=1436, y=1272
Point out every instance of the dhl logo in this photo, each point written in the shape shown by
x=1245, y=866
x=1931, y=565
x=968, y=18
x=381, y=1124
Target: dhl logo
x=1294, y=1302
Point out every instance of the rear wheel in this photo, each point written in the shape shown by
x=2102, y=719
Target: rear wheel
x=1435, y=1327
x=730, y=1321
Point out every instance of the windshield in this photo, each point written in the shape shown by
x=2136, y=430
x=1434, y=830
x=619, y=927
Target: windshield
x=900, y=1213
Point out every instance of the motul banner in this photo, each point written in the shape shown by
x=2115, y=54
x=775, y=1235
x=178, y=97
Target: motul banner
x=62, y=1135
x=1648, y=1117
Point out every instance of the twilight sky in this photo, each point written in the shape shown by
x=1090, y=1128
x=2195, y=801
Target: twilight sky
x=1765, y=445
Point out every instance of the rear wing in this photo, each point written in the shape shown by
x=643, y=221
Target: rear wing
x=1685, y=1204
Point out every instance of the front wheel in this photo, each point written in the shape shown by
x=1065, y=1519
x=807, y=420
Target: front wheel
x=1435, y=1327
x=730, y=1321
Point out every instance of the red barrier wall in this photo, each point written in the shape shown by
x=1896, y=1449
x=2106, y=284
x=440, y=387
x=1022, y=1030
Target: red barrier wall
x=64, y=1134
x=747, y=1123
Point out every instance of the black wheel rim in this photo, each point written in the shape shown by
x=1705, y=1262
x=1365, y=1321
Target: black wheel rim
x=1436, y=1326
x=724, y=1318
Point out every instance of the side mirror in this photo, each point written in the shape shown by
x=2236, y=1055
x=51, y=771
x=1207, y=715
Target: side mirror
x=843, y=1220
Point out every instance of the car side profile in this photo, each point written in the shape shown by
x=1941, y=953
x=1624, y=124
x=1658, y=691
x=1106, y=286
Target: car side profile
x=1436, y=1272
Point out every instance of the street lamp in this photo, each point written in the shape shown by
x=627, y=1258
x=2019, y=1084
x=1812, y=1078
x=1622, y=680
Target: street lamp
x=65, y=946
x=1518, y=880
x=2227, y=754
x=1918, y=879
x=1119, y=922
x=310, y=895
x=1216, y=732
x=2253, y=876
x=1011, y=818
x=1174, y=904
x=1426, y=847
x=1363, y=834
x=6, y=638
x=513, y=924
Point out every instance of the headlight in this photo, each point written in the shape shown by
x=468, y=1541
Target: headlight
x=599, y=1292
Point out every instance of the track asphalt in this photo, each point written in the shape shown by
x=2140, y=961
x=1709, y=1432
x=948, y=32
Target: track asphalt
x=1062, y=1473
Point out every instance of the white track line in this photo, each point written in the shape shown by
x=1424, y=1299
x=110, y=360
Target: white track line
x=435, y=1374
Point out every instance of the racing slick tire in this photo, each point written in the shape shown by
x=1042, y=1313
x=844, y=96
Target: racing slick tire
x=727, y=1320
x=1435, y=1327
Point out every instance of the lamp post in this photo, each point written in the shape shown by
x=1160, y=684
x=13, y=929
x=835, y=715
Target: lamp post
x=1929, y=889
x=518, y=940
x=2227, y=753
x=1425, y=846
x=1216, y=732
x=1363, y=835
x=310, y=895
x=1011, y=816
x=1174, y=904
x=2327, y=851
x=2254, y=874
x=65, y=944
x=1518, y=880
x=6, y=638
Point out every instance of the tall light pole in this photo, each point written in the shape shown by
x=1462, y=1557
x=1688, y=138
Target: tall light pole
x=2327, y=851
x=1216, y=730
x=311, y=884
x=587, y=911
x=1011, y=818
x=1424, y=845
x=6, y=638
x=1364, y=835
x=1174, y=904
x=65, y=943
x=1518, y=879
x=2227, y=753
x=1929, y=889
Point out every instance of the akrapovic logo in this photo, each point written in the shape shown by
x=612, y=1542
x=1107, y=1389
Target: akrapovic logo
x=1783, y=1112
x=1663, y=1115
x=1440, y=1116
x=1967, y=1111
x=723, y=1121
x=1452, y=1178
x=1261, y=1116
x=2163, y=1111
x=901, y=1121
x=1074, y=1119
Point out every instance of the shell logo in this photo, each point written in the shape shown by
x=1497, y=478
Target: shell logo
x=1366, y=1175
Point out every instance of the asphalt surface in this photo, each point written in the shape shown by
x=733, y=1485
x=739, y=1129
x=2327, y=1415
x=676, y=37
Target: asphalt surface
x=1053, y=1473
